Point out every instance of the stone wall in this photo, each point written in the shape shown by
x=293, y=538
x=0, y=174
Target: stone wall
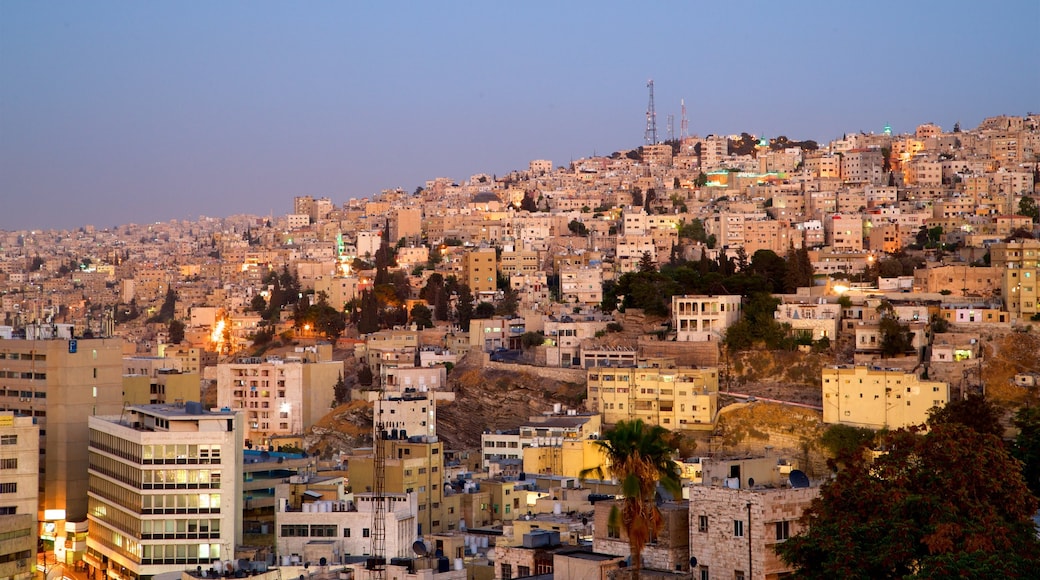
x=721, y=549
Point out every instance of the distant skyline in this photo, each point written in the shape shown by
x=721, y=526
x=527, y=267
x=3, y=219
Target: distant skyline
x=119, y=112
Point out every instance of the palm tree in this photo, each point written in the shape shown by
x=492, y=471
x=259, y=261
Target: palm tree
x=638, y=456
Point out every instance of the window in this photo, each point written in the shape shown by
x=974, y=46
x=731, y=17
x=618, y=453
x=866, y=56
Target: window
x=523, y=571
x=507, y=572
x=8, y=440
x=738, y=575
x=613, y=532
x=9, y=463
x=783, y=530
x=346, y=532
x=702, y=523
x=365, y=533
x=704, y=573
x=738, y=528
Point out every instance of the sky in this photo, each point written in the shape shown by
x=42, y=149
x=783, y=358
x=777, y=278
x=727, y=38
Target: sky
x=135, y=112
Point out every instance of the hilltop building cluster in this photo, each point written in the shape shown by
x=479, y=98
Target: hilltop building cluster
x=110, y=338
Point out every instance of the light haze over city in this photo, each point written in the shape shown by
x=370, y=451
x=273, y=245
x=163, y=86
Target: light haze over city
x=135, y=112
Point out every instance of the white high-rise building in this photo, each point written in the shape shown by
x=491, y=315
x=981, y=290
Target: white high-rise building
x=164, y=490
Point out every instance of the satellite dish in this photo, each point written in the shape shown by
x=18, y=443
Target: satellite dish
x=751, y=482
x=419, y=547
x=798, y=478
x=693, y=562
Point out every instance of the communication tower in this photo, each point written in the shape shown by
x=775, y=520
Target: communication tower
x=651, y=117
x=684, y=123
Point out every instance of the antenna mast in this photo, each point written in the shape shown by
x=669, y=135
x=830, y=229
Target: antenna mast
x=651, y=118
x=684, y=123
x=377, y=562
x=671, y=127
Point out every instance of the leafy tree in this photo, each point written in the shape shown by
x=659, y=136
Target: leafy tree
x=742, y=259
x=37, y=264
x=974, y=412
x=422, y=316
x=1027, y=206
x=577, y=228
x=532, y=339
x=258, y=304
x=176, y=331
x=652, y=291
x=757, y=324
x=799, y=270
x=365, y=376
x=638, y=456
x=895, y=337
x=693, y=231
x=1026, y=447
x=168, y=308
x=646, y=263
x=339, y=391
x=637, y=197
x=930, y=506
x=464, y=306
x=528, y=203
x=484, y=310
x=773, y=268
x=509, y=303
x=846, y=442
x=939, y=324
x=368, y=315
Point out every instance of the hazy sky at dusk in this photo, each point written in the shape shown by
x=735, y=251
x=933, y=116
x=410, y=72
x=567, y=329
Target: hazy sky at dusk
x=117, y=112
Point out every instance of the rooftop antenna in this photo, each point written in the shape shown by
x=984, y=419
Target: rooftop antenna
x=651, y=118
x=684, y=123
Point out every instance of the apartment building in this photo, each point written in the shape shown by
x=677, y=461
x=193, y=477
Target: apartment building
x=277, y=396
x=335, y=529
x=844, y=232
x=876, y=398
x=19, y=495
x=480, y=271
x=164, y=490
x=703, y=318
x=673, y=397
x=815, y=319
x=60, y=383
x=1017, y=260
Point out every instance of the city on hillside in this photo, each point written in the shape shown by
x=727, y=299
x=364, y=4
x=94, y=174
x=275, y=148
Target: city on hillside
x=721, y=357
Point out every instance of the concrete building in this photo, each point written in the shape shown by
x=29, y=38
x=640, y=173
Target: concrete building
x=879, y=398
x=844, y=232
x=19, y=495
x=668, y=550
x=182, y=464
x=1017, y=260
x=279, y=396
x=405, y=222
x=674, y=398
x=340, y=528
x=963, y=280
x=60, y=383
x=734, y=532
x=167, y=386
x=703, y=318
x=480, y=271
x=815, y=319
x=413, y=464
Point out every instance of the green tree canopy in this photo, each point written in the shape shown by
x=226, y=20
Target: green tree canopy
x=934, y=505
